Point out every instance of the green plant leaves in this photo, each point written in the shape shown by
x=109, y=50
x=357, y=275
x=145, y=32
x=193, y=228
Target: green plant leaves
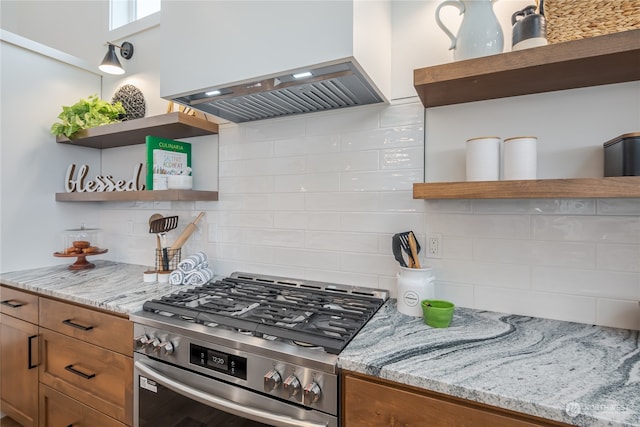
x=85, y=114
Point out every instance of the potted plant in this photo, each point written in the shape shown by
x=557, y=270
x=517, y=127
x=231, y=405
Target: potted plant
x=85, y=114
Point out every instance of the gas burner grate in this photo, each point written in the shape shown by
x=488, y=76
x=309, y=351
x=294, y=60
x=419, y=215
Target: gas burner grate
x=305, y=312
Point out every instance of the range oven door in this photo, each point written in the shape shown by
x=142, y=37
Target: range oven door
x=169, y=396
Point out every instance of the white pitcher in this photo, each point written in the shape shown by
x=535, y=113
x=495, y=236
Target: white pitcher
x=480, y=33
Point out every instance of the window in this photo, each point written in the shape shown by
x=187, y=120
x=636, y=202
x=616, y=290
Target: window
x=126, y=11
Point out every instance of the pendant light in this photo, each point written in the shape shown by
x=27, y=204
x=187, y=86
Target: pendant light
x=110, y=64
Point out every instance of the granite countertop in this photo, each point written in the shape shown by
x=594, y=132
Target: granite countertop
x=111, y=286
x=574, y=373
x=570, y=372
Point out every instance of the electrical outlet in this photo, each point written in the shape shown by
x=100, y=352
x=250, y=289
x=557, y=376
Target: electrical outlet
x=434, y=246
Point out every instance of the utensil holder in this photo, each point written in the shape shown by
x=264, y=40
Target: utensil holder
x=173, y=256
x=414, y=286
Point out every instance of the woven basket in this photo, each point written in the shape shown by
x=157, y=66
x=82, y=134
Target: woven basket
x=579, y=19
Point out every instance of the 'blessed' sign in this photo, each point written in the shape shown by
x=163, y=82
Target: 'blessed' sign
x=79, y=183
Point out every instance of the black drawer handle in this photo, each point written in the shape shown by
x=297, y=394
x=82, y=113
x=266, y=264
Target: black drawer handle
x=68, y=322
x=30, y=364
x=9, y=304
x=82, y=374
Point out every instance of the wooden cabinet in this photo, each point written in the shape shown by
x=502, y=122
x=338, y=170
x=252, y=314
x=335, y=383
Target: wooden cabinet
x=372, y=402
x=88, y=356
x=19, y=356
x=594, y=61
x=87, y=325
x=133, y=132
x=67, y=365
x=59, y=410
x=93, y=375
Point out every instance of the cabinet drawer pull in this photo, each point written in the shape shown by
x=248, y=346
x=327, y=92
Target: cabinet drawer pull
x=82, y=374
x=9, y=304
x=68, y=322
x=30, y=364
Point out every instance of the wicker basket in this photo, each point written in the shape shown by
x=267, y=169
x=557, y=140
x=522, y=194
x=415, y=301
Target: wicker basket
x=579, y=19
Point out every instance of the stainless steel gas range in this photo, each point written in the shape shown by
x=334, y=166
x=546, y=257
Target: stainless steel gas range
x=247, y=350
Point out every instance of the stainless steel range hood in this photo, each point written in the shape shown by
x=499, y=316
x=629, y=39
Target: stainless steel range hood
x=298, y=92
x=236, y=59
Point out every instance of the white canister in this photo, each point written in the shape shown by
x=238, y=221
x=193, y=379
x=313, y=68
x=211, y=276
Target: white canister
x=483, y=158
x=414, y=285
x=520, y=158
x=180, y=182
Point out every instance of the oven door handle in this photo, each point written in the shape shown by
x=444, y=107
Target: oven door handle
x=223, y=404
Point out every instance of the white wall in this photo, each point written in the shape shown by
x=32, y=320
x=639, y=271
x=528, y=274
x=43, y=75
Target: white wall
x=319, y=196
x=33, y=164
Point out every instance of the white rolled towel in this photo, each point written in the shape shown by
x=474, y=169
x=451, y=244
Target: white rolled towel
x=199, y=277
x=192, y=262
x=176, y=277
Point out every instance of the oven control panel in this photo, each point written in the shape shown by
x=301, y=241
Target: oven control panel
x=278, y=377
x=218, y=361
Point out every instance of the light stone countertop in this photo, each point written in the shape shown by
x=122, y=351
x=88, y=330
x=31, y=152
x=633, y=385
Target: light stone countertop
x=570, y=372
x=111, y=286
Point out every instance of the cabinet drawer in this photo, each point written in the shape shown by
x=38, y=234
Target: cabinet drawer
x=22, y=305
x=103, y=329
x=368, y=403
x=60, y=410
x=97, y=377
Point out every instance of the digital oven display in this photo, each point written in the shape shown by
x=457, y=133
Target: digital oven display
x=218, y=361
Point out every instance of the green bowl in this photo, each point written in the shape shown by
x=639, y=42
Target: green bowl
x=437, y=313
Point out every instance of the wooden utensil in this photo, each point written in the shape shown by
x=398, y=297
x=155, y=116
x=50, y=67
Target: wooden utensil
x=404, y=239
x=414, y=250
x=188, y=231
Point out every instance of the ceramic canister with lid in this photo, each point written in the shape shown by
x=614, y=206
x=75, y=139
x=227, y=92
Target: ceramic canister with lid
x=520, y=158
x=414, y=285
x=483, y=158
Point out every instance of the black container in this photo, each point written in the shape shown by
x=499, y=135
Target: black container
x=622, y=155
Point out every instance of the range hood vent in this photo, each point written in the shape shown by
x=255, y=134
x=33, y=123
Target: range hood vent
x=322, y=88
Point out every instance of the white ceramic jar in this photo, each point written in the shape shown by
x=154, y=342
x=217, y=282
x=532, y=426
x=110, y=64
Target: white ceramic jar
x=483, y=158
x=414, y=285
x=520, y=158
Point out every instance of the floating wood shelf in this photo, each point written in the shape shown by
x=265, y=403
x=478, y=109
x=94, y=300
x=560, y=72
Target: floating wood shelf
x=144, y=196
x=578, y=188
x=612, y=58
x=133, y=132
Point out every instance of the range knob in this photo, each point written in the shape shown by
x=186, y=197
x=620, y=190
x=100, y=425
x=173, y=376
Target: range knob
x=163, y=348
x=312, y=393
x=291, y=385
x=151, y=345
x=272, y=380
x=140, y=342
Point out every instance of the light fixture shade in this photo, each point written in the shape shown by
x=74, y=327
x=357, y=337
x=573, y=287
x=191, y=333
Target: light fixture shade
x=110, y=64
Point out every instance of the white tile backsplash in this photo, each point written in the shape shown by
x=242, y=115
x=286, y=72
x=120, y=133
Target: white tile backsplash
x=319, y=196
x=618, y=257
x=620, y=229
x=540, y=304
x=594, y=283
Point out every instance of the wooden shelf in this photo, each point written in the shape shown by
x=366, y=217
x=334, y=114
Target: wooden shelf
x=144, y=196
x=578, y=188
x=133, y=132
x=612, y=58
